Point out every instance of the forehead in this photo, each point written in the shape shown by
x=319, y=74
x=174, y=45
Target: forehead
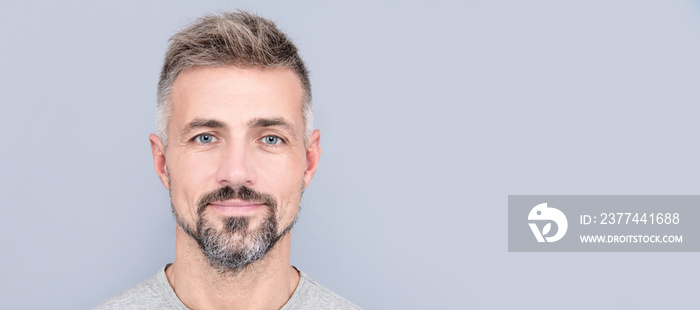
x=236, y=95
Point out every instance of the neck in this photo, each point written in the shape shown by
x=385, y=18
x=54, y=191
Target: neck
x=265, y=284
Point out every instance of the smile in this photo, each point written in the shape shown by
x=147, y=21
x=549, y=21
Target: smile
x=235, y=207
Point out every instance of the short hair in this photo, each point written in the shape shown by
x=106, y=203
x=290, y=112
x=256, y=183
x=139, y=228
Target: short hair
x=238, y=39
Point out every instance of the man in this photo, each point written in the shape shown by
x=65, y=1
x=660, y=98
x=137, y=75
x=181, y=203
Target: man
x=235, y=148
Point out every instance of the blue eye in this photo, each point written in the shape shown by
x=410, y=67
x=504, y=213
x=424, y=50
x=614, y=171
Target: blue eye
x=271, y=140
x=204, y=138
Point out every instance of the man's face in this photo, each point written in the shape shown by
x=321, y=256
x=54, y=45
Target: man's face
x=236, y=162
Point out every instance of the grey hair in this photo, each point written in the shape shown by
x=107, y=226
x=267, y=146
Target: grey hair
x=238, y=39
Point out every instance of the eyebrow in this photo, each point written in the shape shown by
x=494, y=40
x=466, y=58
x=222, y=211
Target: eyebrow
x=203, y=123
x=269, y=122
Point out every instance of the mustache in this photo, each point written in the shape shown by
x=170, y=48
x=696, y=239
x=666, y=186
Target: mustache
x=243, y=193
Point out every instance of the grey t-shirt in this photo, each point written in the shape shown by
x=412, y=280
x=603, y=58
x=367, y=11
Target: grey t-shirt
x=156, y=293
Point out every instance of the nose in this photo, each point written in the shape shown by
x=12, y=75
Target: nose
x=236, y=167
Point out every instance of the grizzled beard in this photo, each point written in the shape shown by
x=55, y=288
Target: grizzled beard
x=234, y=247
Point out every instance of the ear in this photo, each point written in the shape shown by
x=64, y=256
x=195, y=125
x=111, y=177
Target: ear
x=313, y=153
x=159, y=160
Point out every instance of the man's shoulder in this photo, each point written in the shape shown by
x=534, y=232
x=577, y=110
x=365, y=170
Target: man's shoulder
x=148, y=294
x=312, y=295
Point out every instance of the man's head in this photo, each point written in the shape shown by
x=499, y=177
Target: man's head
x=234, y=145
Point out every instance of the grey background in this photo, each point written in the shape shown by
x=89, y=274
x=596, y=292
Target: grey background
x=521, y=238
x=431, y=113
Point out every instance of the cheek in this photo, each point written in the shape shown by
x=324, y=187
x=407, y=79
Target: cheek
x=188, y=180
x=282, y=178
x=282, y=175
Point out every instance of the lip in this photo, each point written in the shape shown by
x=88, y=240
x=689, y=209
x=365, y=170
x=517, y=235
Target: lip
x=235, y=207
